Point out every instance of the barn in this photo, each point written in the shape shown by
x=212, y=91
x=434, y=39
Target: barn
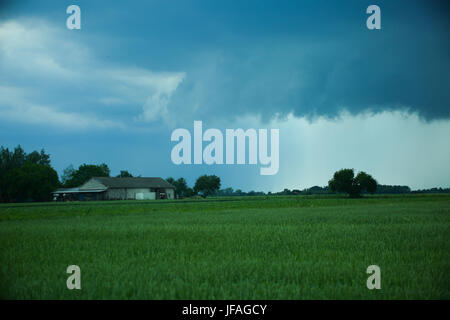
x=107, y=188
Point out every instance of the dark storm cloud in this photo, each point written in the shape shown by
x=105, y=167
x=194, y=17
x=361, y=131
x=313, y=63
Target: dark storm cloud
x=272, y=58
x=332, y=65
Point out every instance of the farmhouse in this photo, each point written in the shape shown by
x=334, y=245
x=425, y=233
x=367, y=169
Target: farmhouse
x=106, y=188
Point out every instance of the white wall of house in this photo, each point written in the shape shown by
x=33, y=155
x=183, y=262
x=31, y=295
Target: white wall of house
x=141, y=194
x=170, y=193
x=130, y=194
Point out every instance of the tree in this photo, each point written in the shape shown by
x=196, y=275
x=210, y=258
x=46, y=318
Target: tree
x=181, y=187
x=207, y=185
x=365, y=182
x=18, y=157
x=189, y=192
x=345, y=181
x=31, y=181
x=40, y=158
x=67, y=175
x=14, y=160
x=5, y=165
x=342, y=181
x=170, y=180
x=84, y=173
x=124, y=174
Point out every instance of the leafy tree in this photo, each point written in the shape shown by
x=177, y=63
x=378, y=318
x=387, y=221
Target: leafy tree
x=11, y=160
x=365, y=182
x=68, y=174
x=181, y=187
x=124, y=174
x=18, y=157
x=189, y=192
x=84, y=173
x=207, y=185
x=342, y=181
x=31, y=181
x=345, y=181
x=40, y=158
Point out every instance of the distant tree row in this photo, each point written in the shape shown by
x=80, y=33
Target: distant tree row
x=30, y=177
x=343, y=181
x=432, y=190
x=385, y=189
x=228, y=192
x=381, y=189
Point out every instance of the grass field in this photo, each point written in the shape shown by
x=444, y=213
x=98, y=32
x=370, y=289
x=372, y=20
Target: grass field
x=228, y=248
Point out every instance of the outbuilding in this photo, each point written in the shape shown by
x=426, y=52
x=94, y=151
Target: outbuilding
x=107, y=188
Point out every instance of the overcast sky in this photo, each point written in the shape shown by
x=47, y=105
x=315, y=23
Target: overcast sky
x=342, y=96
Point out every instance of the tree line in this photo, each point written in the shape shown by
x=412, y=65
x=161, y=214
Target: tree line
x=30, y=177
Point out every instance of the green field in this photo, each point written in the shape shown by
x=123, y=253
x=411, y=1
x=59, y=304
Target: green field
x=294, y=247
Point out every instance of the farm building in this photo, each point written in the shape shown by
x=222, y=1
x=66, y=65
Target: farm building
x=106, y=188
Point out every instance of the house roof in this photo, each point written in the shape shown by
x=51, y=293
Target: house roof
x=139, y=182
